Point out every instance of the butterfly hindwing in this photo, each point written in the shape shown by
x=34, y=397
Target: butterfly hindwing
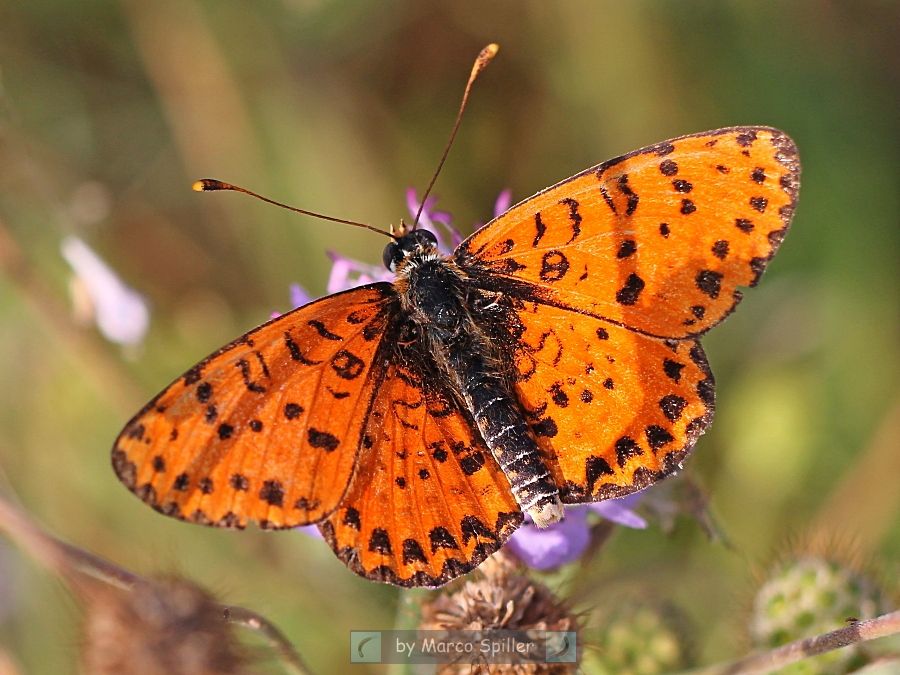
x=267, y=428
x=612, y=410
x=658, y=240
x=428, y=501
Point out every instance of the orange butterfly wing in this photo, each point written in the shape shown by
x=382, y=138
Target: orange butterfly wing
x=657, y=240
x=268, y=427
x=611, y=273
x=612, y=410
x=428, y=501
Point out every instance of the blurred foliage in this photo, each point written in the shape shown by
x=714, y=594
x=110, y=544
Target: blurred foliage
x=108, y=111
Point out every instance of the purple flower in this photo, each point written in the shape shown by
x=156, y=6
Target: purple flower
x=501, y=206
x=565, y=541
x=310, y=530
x=348, y=273
x=120, y=312
x=299, y=296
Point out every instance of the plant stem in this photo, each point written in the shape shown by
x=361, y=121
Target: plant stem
x=858, y=631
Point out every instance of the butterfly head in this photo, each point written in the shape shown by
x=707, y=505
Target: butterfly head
x=409, y=242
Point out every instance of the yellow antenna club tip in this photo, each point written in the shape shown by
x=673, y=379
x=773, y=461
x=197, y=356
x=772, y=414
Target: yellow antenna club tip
x=206, y=185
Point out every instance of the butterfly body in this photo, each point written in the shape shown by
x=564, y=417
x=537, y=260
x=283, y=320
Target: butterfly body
x=466, y=333
x=553, y=358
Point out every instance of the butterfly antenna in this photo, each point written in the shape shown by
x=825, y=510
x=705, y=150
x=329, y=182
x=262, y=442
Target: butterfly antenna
x=211, y=185
x=485, y=56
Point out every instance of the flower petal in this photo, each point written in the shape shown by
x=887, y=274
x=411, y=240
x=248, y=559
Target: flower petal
x=120, y=312
x=299, y=296
x=504, y=200
x=620, y=511
x=556, y=545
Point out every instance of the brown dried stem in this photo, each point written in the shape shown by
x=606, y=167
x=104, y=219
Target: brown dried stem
x=766, y=662
x=79, y=566
x=250, y=619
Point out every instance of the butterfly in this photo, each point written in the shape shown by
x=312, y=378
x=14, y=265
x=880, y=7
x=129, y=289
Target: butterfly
x=553, y=358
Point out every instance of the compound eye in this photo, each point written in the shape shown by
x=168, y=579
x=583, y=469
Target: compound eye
x=391, y=256
x=426, y=238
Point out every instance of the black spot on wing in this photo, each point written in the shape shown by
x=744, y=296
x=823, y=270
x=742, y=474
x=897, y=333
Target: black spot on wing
x=292, y=410
x=595, y=468
x=668, y=167
x=380, y=542
x=351, y=518
x=204, y=392
x=320, y=328
x=473, y=528
x=631, y=198
x=272, y=492
x=440, y=537
x=745, y=139
x=545, y=427
x=709, y=282
x=412, y=552
x=626, y=448
x=554, y=266
x=295, y=352
x=628, y=294
x=470, y=463
x=627, y=249
x=673, y=369
x=347, y=365
x=672, y=406
x=759, y=204
x=662, y=149
x=657, y=437
x=540, y=229
x=322, y=439
x=574, y=217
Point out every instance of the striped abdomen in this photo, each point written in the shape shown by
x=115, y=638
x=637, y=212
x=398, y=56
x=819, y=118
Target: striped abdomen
x=506, y=433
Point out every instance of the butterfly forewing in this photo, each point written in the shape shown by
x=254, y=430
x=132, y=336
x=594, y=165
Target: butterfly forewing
x=267, y=428
x=657, y=240
x=428, y=502
x=613, y=410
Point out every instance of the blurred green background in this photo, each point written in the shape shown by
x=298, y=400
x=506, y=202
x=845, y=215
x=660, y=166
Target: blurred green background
x=108, y=111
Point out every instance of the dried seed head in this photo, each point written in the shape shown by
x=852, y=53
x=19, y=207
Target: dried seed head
x=161, y=627
x=501, y=597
